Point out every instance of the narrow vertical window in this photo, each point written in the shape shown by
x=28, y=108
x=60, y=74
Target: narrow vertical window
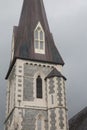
x=52, y=99
x=36, y=39
x=39, y=87
x=39, y=39
x=39, y=124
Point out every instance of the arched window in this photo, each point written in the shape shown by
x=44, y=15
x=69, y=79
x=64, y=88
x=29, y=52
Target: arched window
x=39, y=87
x=39, y=39
x=40, y=122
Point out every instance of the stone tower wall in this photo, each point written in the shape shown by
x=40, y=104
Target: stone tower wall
x=26, y=106
x=57, y=110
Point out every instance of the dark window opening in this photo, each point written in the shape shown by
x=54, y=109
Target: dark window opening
x=39, y=87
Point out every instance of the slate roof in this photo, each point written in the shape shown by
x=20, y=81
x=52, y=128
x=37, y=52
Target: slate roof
x=79, y=121
x=54, y=73
x=33, y=12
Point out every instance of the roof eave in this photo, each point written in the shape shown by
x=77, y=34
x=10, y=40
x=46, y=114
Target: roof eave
x=10, y=68
x=56, y=76
x=14, y=60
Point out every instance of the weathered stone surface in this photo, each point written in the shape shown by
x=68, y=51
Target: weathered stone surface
x=53, y=119
x=64, y=93
x=28, y=83
x=61, y=118
x=51, y=86
x=30, y=70
x=29, y=119
x=28, y=90
x=10, y=119
x=59, y=94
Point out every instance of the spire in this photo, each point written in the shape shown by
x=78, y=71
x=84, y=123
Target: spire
x=33, y=12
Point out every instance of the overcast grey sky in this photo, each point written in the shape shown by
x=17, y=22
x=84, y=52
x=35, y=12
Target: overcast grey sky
x=68, y=23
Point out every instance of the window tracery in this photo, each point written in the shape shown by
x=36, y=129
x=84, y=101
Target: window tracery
x=39, y=39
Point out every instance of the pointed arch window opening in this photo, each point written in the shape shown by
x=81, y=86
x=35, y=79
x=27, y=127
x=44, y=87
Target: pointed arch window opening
x=39, y=39
x=39, y=87
x=40, y=122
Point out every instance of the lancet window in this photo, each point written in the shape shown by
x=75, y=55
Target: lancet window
x=39, y=39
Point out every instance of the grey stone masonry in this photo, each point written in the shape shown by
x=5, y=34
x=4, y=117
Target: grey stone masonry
x=59, y=94
x=51, y=86
x=28, y=89
x=53, y=120
x=30, y=118
x=61, y=119
x=8, y=123
x=30, y=70
x=29, y=77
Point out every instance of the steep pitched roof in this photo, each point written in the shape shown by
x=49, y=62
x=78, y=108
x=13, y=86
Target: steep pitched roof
x=33, y=12
x=54, y=73
x=79, y=121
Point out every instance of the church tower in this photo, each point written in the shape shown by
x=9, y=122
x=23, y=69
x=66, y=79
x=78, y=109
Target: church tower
x=36, y=97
